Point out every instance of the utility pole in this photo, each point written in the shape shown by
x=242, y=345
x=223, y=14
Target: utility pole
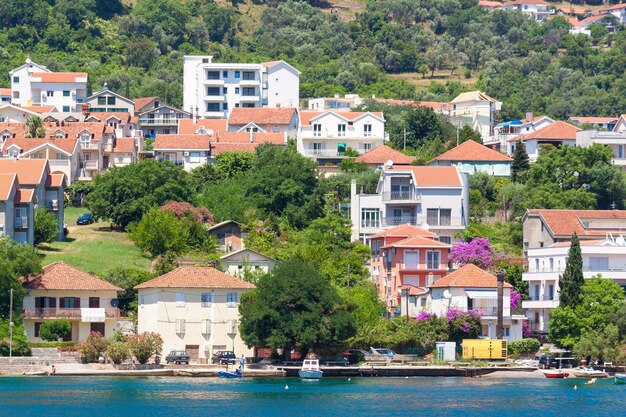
x=275, y=257
x=500, y=323
x=11, y=322
x=348, y=289
x=404, y=147
x=406, y=293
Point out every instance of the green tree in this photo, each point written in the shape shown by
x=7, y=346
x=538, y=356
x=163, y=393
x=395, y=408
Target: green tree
x=46, y=228
x=125, y=194
x=294, y=306
x=467, y=133
x=34, y=128
x=520, y=164
x=21, y=344
x=160, y=232
x=17, y=261
x=53, y=330
x=572, y=280
x=603, y=344
x=127, y=279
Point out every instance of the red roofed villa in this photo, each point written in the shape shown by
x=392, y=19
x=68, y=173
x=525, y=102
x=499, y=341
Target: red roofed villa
x=472, y=157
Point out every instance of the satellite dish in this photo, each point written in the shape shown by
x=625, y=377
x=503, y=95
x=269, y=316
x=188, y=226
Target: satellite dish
x=620, y=240
x=389, y=163
x=115, y=302
x=425, y=226
x=446, y=294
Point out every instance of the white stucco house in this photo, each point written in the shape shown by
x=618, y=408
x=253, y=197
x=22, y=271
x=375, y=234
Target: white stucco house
x=476, y=110
x=556, y=134
x=237, y=262
x=615, y=140
x=194, y=309
x=535, y=9
x=188, y=151
x=472, y=157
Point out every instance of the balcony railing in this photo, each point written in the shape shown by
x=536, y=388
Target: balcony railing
x=419, y=220
x=59, y=162
x=67, y=313
x=401, y=195
x=90, y=164
x=397, y=221
x=90, y=145
x=53, y=205
x=20, y=222
x=544, y=297
x=158, y=122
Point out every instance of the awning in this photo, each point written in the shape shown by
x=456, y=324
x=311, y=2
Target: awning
x=92, y=315
x=510, y=123
x=475, y=294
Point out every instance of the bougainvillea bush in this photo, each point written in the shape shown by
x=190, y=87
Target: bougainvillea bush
x=478, y=252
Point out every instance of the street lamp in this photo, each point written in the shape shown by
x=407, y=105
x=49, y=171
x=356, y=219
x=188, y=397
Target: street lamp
x=406, y=295
x=500, y=325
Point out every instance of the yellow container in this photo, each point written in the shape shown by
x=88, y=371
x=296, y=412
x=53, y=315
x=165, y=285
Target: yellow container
x=484, y=349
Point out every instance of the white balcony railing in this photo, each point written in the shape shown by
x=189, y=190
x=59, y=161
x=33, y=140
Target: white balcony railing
x=158, y=122
x=20, y=222
x=90, y=145
x=410, y=195
x=90, y=164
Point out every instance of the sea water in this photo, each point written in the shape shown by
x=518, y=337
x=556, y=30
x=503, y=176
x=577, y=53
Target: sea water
x=185, y=397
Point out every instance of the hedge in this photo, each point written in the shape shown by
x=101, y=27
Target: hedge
x=51, y=344
x=524, y=346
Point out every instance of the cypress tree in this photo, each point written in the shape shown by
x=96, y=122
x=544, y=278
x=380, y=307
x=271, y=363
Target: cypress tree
x=520, y=164
x=572, y=279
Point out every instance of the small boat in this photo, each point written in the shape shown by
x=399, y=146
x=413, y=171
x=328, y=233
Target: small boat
x=310, y=369
x=588, y=373
x=555, y=373
x=619, y=379
x=226, y=374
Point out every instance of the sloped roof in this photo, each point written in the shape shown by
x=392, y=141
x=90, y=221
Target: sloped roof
x=469, y=276
x=584, y=119
x=61, y=276
x=472, y=96
x=275, y=138
x=55, y=179
x=29, y=171
x=24, y=195
x=404, y=230
x=418, y=242
x=245, y=250
x=60, y=77
x=489, y=3
x=566, y=222
x=472, y=151
x=529, y=2
x=433, y=176
x=124, y=145
x=39, y=109
x=307, y=116
x=199, y=142
x=554, y=131
x=124, y=117
x=142, y=102
x=189, y=127
x=615, y=7
x=261, y=116
x=219, y=148
x=5, y=91
x=195, y=277
x=8, y=182
x=382, y=154
x=26, y=144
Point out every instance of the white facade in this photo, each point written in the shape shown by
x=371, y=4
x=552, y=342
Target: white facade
x=327, y=135
x=476, y=110
x=15, y=114
x=535, y=9
x=162, y=120
x=107, y=101
x=212, y=90
x=188, y=159
x=434, y=198
x=335, y=103
x=606, y=258
x=615, y=140
x=235, y=263
x=510, y=129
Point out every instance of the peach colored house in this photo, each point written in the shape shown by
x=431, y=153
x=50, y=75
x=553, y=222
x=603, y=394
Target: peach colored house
x=407, y=258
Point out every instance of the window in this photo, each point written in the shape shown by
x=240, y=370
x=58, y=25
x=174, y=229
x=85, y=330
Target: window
x=237, y=74
x=97, y=328
x=370, y=217
x=341, y=129
x=66, y=93
x=16, y=80
x=16, y=94
x=224, y=74
x=194, y=157
x=69, y=302
x=224, y=90
x=248, y=105
x=411, y=259
x=367, y=147
x=213, y=91
x=551, y=264
x=236, y=105
x=206, y=299
x=432, y=260
x=231, y=299
x=180, y=299
x=224, y=106
x=445, y=239
x=213, y=107
x=50, y=93
x=21, y=219
x=102, y=101
x=142, y=300
x=317, y=129
x=236, y=90
x=111, y=100
x=598, y=263
x=507, y=331
x=66, y=109
x=367, y=130
x=249, y=75
x=249, y=91
x=439, y=217
x=212, y=75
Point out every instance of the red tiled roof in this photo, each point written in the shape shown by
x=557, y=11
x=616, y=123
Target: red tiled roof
x=615, y=7
x=5, y=91
x=555, y=131
x=219, y=147
x=194, y=277
x=413, y=290
x=29, y=171
x=270, y=64
x=8, y=182
x=472, y=151
x=188, y=127
x=418, y=242
x=382, y=154
x=593, y=119
x=306, y=116
x=566, y=222
x=244, y=137
x=55, y=179
x=142, y=102
x=488, y=3
x=469, y=276
x=181, y=142
x=589, y=20
x=404, y=230
x=261, y=116
x=38, y=109
x=529, y=2
x=591, y=242
x=124, y=145
x=124, y=117
x=24, y=195
x=26, y=144
x=59, y=77
x=433, y=176
x=61, y=276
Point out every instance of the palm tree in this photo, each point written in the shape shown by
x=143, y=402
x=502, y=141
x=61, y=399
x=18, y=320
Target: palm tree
x=34, y=128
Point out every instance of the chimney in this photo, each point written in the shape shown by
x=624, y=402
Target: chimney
x=278, y=105
x=530, y=116
x=251, y=136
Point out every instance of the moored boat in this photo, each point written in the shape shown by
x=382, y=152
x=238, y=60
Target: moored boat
x=555, y=373
x=619, y=379
x=588, y=373
x=226, y=374
x=310, y=369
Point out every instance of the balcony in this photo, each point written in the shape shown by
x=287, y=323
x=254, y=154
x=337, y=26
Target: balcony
x=59, y=163
x=397, y=221
x=545, y=302
x=53, y=205
x=246, y=99
x=246, y=83
x=214, y=98
x=20, y=222
x=90, y=164
x=158, y=122
x=65, y=313
x=409, y=195
x=214, y=82
x=90, y=145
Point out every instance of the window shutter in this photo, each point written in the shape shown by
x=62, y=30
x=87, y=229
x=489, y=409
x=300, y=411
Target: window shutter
x=53, y=302
x=38, y=303
x=76, y=302
x=62, y=302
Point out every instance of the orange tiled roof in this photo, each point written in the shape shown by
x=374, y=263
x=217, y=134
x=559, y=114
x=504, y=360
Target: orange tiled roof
x=26, y=144
x=566, y=222
x=472, y=151
x=69, y=129
x=59, y=77
x=219, y=147
x=24, y=195
x=55, y=179
x=593, y=119
x=261, y=116
x=195, y=277
x=29, y=171
x=404, y=230
x=433, y=176
x=615, y=7
x=413, y=290
x=39, y=109
x=124, y=145
x=469, y=276
x=61, y=276
x=529, y=2
x=306, y=116
x=488, y=3
x=200, y=142
x=188, y=127
x=8, y=182
x=5, y=91
x=270, y=64
x=124, y=117
x=382, y=154
x=244, y=137
x=555, y=131
x=418, y=242
x=142, y=102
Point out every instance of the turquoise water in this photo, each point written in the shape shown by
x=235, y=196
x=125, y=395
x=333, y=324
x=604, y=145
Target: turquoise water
x=158, y=396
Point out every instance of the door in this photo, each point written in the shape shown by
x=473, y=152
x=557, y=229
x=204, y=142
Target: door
x=97, y=328
x=193, y=351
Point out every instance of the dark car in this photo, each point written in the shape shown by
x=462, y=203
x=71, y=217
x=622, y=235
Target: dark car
x=354, y=355
x=541, y=336
x=85, y=218
x=547, y=361
x=178, y=357
x=224, y=357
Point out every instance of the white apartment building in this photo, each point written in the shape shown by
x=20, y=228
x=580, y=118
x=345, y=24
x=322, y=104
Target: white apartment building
x=615, y=140
x=436, y=198
x=605, y=257
x=510, y=129
x=335, y=103
x=212, y=90
x=476, y=110
x=556, y=134
x=536, y=9
x=35, y=85
x=327, y=135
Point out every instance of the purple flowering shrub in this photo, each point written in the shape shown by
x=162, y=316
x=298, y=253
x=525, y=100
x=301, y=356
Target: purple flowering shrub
x=478, y=252
x=424, y=316
x=516, y=299
x=525, y=329
x=461, y=324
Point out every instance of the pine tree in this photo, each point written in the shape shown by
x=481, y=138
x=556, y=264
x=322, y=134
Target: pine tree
x=572, y=279
x=520, y=164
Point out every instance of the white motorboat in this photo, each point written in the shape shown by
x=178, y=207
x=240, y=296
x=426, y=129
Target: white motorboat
x=588, y=372
x=310, y=369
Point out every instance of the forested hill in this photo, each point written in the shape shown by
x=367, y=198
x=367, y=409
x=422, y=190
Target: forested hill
x=137, y=47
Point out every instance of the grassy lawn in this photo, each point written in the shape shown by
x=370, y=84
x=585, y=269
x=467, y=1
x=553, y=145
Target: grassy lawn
x=93, y=248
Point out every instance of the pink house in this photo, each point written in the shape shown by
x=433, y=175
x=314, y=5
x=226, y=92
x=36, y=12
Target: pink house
x=405, y=261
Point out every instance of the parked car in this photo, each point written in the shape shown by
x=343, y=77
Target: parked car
x=355, y=355
x=85, y=218
x=547, y=361
x=387, y=352
x=224, y=357
x=178, y=357
x=541, y=336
